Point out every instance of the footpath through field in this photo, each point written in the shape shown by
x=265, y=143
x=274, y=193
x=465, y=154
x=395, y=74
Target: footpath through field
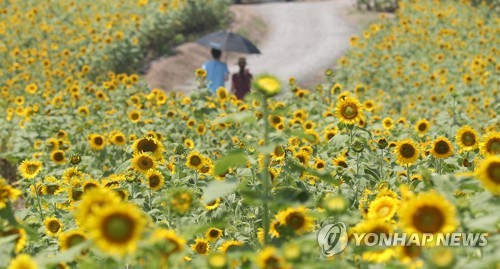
x=302, y=40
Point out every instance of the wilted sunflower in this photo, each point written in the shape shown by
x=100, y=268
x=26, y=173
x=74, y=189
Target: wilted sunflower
x=441, y=148
x=30, y=169
x=143, y=162
x=429, y=212
x=169, y=240
x=268, y=258
x=53, y=226
x=296, y=220
x=194, y=160
x=422, y=126
x=92, y=201
x=58, y=157
x=490, y=144
x=200, y=246
x=154, y=179
x=116, y=229
x=97, y=142
x=70, y=239
x=349, y=110
x=488, y=171
x=23, y=261
x=149, y=145
x=406, y=152
x=383, y=208
x=213, y=234
x=467, y=138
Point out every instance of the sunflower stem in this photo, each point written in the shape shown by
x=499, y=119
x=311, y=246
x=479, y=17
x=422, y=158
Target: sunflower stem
x=408, y=173
x=39, y=204
x=265, y=215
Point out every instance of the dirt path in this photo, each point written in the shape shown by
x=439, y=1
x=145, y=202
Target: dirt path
x=302, y=40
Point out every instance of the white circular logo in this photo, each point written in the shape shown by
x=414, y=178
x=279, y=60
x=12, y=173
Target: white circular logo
x=332, y=238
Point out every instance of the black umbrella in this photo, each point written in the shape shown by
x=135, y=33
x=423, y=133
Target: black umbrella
x=228, y=41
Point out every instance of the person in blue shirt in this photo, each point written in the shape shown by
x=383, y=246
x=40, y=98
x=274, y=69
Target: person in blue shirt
x=217, y=71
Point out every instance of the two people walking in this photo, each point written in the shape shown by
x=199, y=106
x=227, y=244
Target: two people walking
x=218, y=73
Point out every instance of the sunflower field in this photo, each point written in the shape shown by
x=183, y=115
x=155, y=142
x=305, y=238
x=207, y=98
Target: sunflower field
x=402, y=137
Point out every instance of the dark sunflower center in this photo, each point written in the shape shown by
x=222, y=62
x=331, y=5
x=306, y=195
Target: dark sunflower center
x=428, y=219
x=272, y=262
x=350, y=111
x=32, y=168
x=58, y=156
x=54, y=226
x=276, y=119
x=98, y=140
x=74, y=240
x=295, y=220
x=442, y=147
x=119, y=139
x=205, y=169
x=214, y=233
x=493, y=146
x=412, y=251
x=422, y=127
x=145, y=163
x=51, y=189
x=135, y=116
x=493, y=171
x=320, y=165
x=468, y=139
x=407, y=151
x=147, y=145
x=201, y=248
x=342, y=164
x=330, y=135
x=154, y=181
x=195, y=161
x=118, y=228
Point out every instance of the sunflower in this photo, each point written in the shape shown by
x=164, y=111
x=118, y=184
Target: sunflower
x=428, y=212
x=58, y=157
x=312, y=137
x=488, y=171
x=303, y=158
x=296, y=220
x=229, y=245
x=383, y=208
x=490, y=144
x=388, y=123
x=467, y=138
x=379, y=227
x=154, y=179
x=340, y=160
x=7, y=193
x=23, y=261
x=53, y=226
x=117, y=228
x=422, y=126
x=194, y=160
x=275, y=120
x=368, y=105
x=267, y=84
x=329, y=134
x=441, y=148
x=97, y=142
x=319, y=164
x=217, y=261
x=149, y=145
x=70, y=239
x=143, y=162
x=181, y=201
x=406, y=152
x=410, y=255
x=89, y=185
x=349, y=110
x=213, y=234
x=189, y=143
x=174, y=243
x=200, y=246
x=222, y=93
x=134, y=116
x=213, y=204
x=268, y=258
x=92, y=201
x=30, y=169
x=118, y=138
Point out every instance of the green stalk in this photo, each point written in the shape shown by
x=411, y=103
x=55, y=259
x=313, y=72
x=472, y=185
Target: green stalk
x=265, y=215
